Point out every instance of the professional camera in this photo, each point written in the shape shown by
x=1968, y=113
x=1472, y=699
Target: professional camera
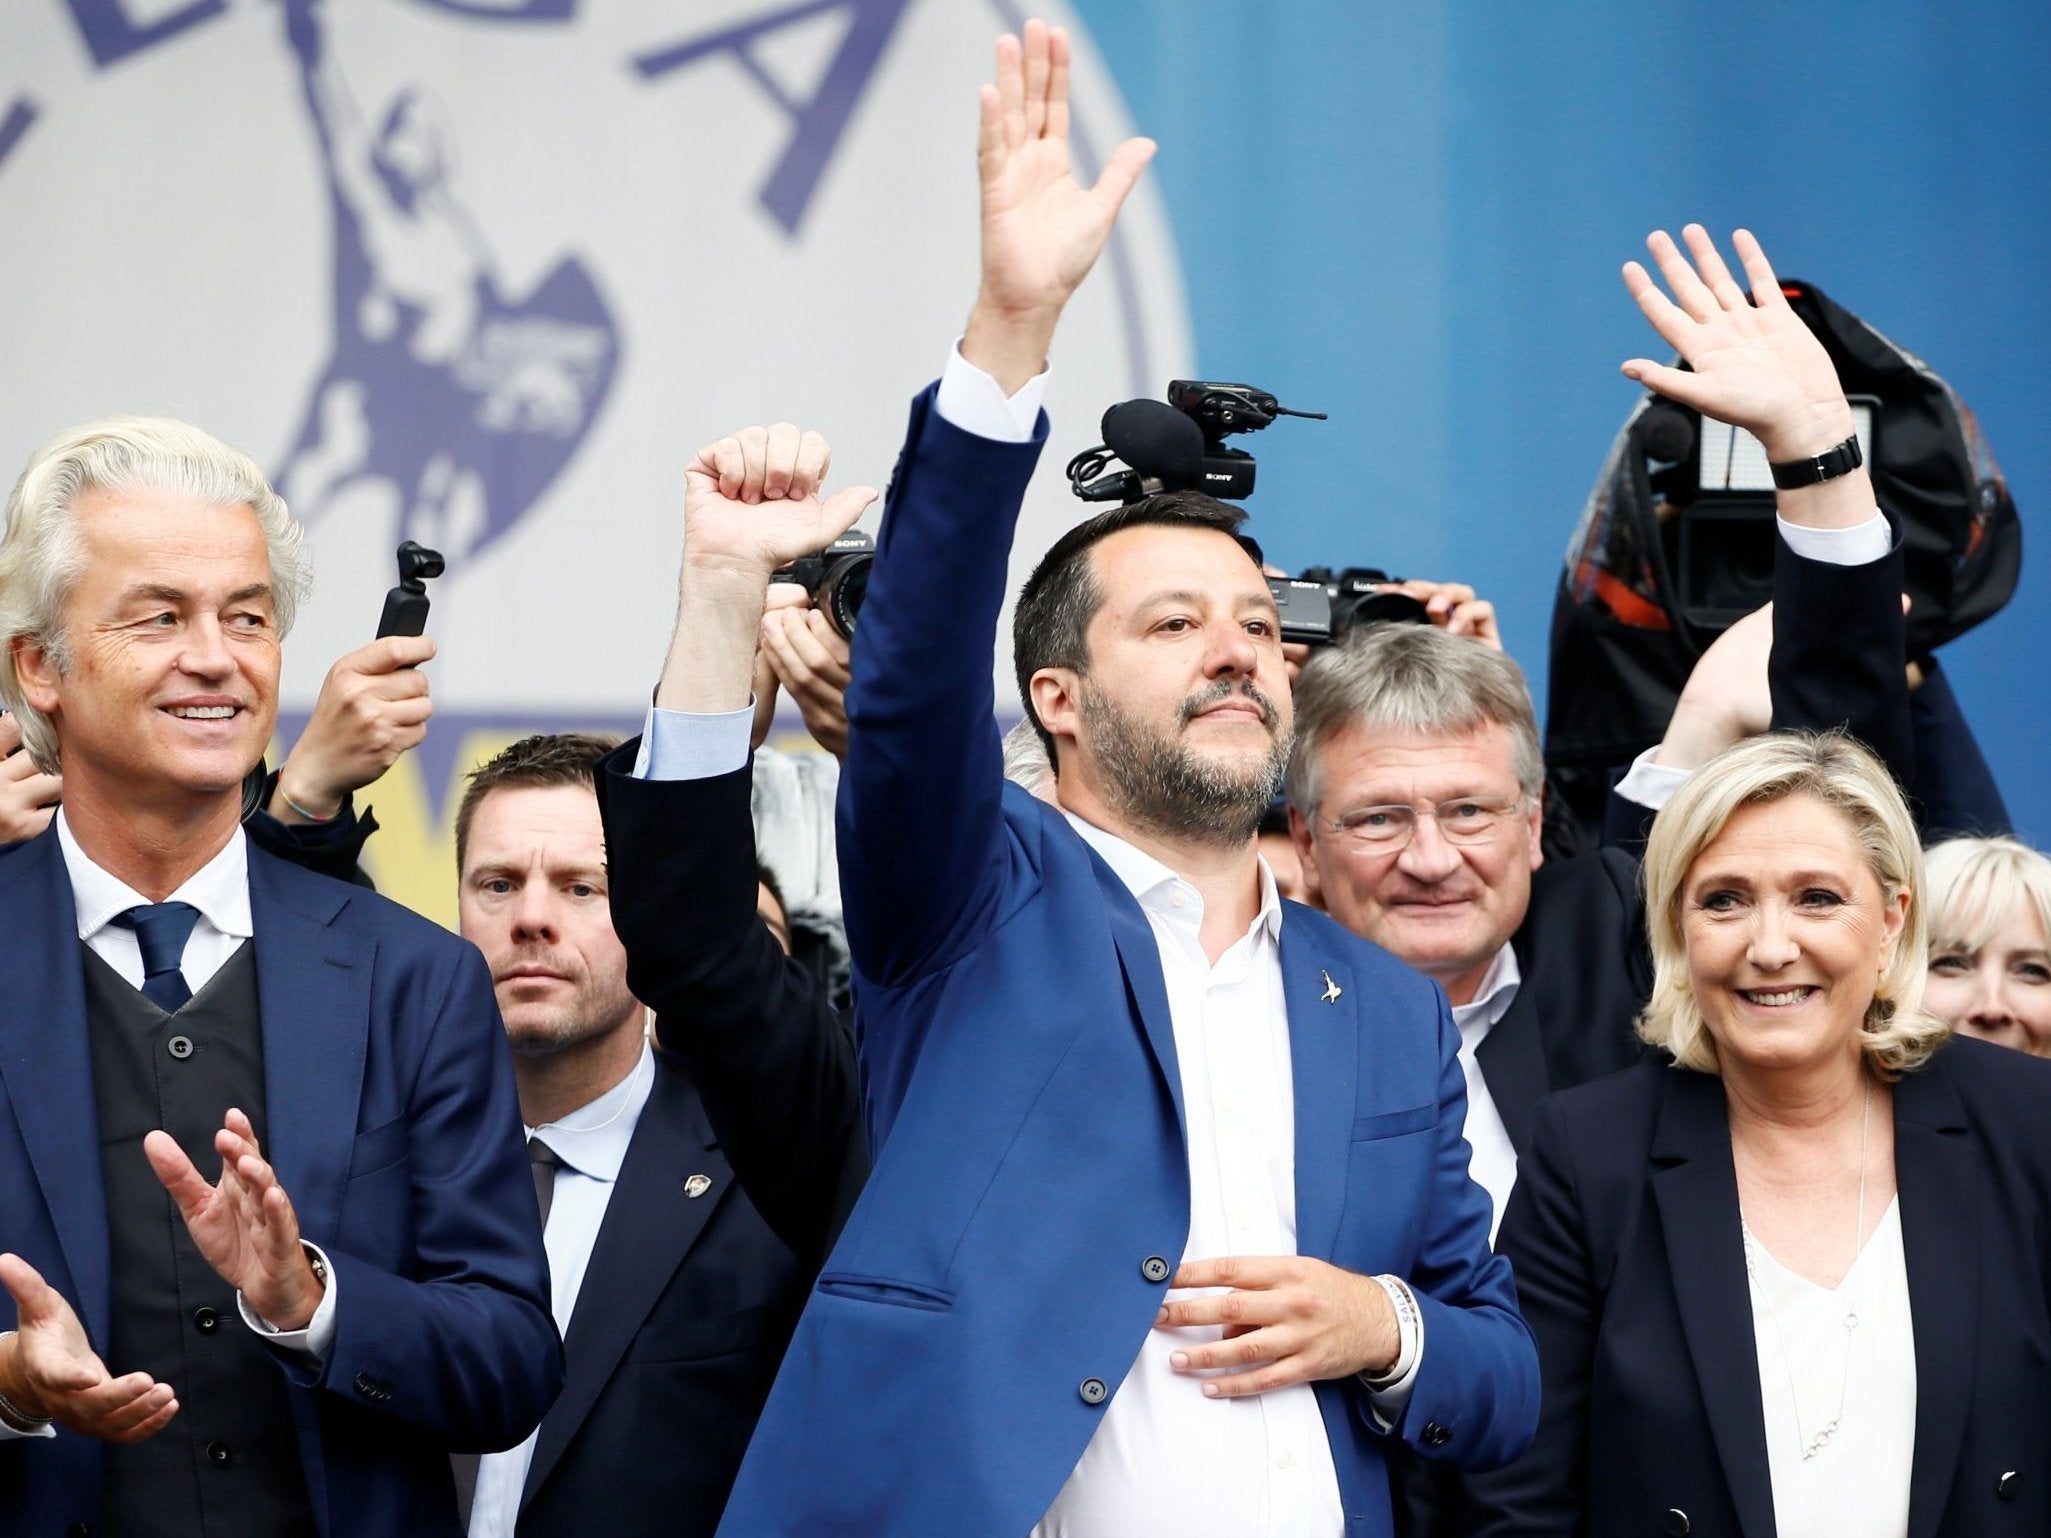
x=837, y=578
x=1178, y=445
x=1321, y=606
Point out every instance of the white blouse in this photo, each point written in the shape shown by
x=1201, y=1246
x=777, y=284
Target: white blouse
x=1857, y=1484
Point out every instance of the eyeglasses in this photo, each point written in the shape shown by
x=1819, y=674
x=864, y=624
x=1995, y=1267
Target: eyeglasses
x=1463, y=820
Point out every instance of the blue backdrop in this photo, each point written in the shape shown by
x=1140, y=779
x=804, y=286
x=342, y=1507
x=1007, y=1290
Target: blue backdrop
x=1413, y=216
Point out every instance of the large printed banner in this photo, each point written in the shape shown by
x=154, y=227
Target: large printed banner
x=483, y=273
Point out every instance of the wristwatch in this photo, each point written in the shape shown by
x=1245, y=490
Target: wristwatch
x=1794, y=474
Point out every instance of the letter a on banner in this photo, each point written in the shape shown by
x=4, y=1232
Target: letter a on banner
x=818, y=123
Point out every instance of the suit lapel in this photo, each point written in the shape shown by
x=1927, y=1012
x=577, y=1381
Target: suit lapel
x=650, y=1225
x=1696, y=1188
x=313, y=989
x=1512, y=1062
x=1936, y=1175
x=1326, y=1029
x=1139, y=956
x=46, y=1061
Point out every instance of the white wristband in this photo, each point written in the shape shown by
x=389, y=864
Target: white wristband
x=1409, y=1333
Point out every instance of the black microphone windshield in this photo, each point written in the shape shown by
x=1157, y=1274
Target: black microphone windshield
x=1158, y=441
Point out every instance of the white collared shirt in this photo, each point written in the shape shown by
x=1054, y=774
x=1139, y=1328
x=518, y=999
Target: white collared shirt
x=1165, y=1459
x=592, y=1143
x=219, y=889
x=1492, y=1160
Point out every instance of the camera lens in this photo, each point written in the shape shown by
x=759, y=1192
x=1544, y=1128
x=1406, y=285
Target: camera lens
x=841, y=594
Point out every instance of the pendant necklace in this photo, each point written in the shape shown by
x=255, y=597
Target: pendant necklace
x=1811, y=1446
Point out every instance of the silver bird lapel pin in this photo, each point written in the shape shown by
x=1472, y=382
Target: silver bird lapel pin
x=1332, y=989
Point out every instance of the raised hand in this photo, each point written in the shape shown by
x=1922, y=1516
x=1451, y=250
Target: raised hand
x=1042, y=229
x=373, y=706
x=1756, y=364
x=244, y=1224
x=28, y=797
x=752, y=501
x=48, y=1368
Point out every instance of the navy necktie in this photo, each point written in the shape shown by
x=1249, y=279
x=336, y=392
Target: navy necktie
x=543, y=1161
x=161, y=930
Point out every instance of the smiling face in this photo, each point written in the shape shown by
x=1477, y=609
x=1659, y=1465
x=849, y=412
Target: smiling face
x=534, y=899
x=1444, y=908
x=1787, y=933
x=2000, y=992
x=1181, y=724
x=169, y=685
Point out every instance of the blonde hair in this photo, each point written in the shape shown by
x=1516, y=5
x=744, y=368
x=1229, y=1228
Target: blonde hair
x=40, y=557
x=1976, y=885
x=1898, y=1034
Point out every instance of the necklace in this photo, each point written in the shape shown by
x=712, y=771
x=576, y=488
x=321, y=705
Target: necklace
x=1811, y=1446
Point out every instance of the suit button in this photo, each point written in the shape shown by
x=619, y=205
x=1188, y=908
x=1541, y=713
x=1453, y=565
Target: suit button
x=206, y=1321
x=179, y=1047
x=1675, y=1521
x=1093, y=1391
x=1435, y=1435
x=2009, y=1485
x=1154, y=1269
x=217, y=1454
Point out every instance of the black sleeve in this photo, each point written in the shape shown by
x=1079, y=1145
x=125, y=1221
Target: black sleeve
x=332, y=848
x=1955, y=792
x=772, y=1060
x=1840, y=655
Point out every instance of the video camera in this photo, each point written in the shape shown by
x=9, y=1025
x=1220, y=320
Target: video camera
x=837, y=578
x=1179, y=445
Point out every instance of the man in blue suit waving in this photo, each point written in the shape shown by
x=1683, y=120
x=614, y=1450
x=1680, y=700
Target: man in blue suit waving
x=1170, y=1228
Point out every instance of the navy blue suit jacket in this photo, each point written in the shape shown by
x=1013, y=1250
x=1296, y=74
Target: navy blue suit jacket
x=395, y=1130
x=1624, y=1230
x=991, y=1288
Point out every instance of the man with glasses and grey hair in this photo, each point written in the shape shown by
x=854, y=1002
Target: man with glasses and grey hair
x=1416, y=780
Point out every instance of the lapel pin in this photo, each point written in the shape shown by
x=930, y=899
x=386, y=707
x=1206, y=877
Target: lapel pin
x=697, y=1185
x=1332, y=989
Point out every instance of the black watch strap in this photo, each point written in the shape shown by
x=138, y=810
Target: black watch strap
x=1793, y=474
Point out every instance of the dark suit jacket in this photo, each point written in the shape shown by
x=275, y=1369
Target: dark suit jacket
x=395, y=1130
x=1004, y=1264
x=679, y=1326
x=689, y=1301
x=1624, y=1231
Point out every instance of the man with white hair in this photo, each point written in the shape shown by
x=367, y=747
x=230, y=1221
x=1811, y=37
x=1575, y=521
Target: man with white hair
x=269, y=1235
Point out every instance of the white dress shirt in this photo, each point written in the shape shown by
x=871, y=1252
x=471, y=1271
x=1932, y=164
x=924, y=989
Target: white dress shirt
x=1165, y=1459
x=592, y=1144
x=1492, y=1160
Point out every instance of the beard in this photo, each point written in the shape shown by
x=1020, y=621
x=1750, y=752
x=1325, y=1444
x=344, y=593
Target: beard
x=1158, y=784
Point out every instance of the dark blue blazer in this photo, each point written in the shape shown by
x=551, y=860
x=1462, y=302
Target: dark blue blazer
x=682, y=1318
x=1630, y=1266
x=395, y=1130
x=991, y=1288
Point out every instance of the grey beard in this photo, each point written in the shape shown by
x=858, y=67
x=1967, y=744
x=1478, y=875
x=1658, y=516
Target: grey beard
x=1159, y=786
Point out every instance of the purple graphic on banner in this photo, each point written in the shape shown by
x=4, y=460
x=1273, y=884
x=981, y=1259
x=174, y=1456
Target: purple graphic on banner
x=507, y=10
x=819, y=123
x=21, y=115
x=465, y=402
x=113, y=34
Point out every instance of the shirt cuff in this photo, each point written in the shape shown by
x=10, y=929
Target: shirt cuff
x=679, y=745
x=976, y=403
x=1389, y=1396
x=1648, y=784
x=9, y=1434
x=319, y=1334
x=1861, y=543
